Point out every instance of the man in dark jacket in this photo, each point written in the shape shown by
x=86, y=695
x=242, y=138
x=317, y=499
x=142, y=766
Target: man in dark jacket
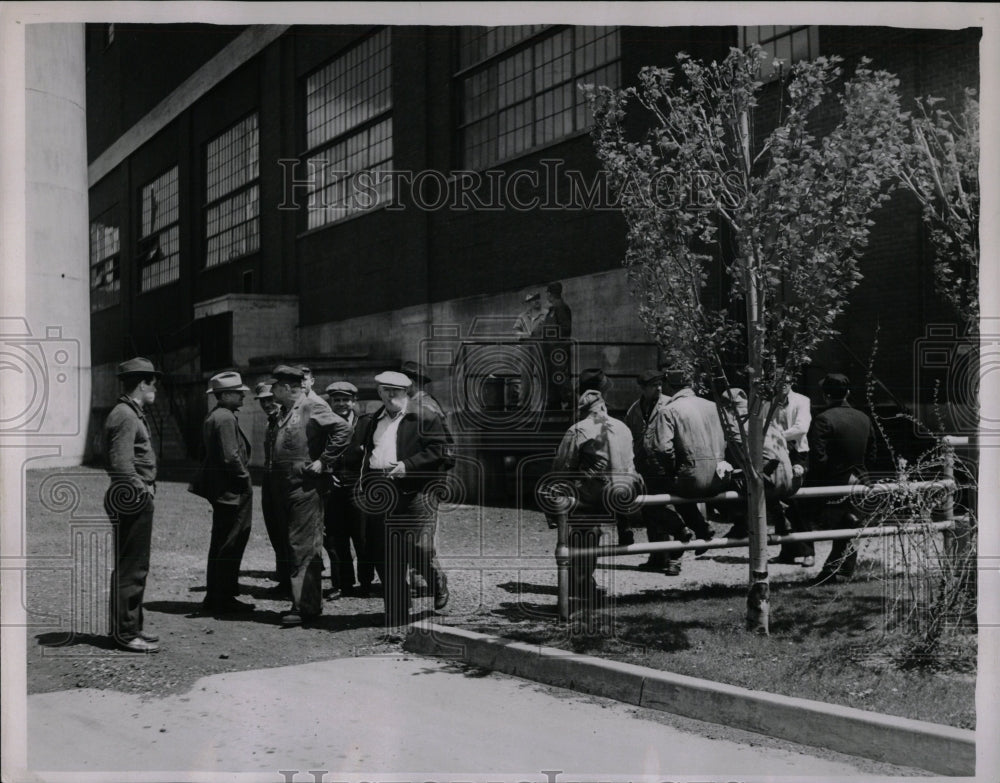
x=131, y=464
x=398, y=452
x=274, y=520
x=308, y=441
x=226, y=484
x=343, y=524
x=841, y=439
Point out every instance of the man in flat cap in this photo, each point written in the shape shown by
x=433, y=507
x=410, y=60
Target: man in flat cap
x=309, y=439
x=226, y=484
x=686, y=446
x=660, y=522
x=841, y=440
x=274, y=520
x=343, y=525
x=398, y=452
x=131, y=464
x=596, y=455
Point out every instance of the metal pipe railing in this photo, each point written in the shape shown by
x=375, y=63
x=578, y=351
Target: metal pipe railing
x=943, y=520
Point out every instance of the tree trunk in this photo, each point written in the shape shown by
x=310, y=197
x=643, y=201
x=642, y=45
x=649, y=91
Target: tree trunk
x=759, y=594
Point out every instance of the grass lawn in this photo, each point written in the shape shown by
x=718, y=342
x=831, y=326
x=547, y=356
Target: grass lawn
x=827, y=643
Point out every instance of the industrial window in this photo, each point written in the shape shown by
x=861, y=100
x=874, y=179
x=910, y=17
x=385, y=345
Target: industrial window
x=781, y=42
x=232, y=193
x=349, y=132
x=159, y=246
x=519, y=86
x=105, y=261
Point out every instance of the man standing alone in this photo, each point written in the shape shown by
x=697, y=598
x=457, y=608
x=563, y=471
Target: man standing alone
x=129, y=502
x=228, y=487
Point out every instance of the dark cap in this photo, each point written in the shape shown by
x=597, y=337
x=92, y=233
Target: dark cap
x=554, y=288
x=285, y=374
x=676, y=377
x=137, y=366
x=412, y=369
x=835, y=384
x=342, y=387
x=648, y=376
x=594, y=378
x=305, y=370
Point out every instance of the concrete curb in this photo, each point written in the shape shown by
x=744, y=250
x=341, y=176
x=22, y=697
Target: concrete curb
x=912, y=743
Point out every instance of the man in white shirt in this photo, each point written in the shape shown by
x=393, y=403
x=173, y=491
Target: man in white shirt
x=398, y=452
x=793, y=415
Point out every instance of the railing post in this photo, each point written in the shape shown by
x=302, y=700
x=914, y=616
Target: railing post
x=945, y=511
x=562, y=563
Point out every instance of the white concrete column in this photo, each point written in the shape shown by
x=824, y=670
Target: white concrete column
x=56, y=353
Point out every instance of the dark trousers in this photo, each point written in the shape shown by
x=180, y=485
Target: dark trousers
x=303, y=509
x=795, y=519
x=277, y=526
x=400, y=538
x=230, y=534
x=132, y=519
x=663, y=523
x=344, y=525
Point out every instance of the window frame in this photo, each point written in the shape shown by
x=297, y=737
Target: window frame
x=111, y=297
x=365, y=126
x=230, y=195
x=461, y=74
x=146, y=239
x=767, y=71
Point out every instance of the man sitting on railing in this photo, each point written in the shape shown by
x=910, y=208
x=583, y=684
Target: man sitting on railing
x=841, y=440
x=596, y=455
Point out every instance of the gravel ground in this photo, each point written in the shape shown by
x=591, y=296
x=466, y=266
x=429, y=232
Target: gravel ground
x=499, y=562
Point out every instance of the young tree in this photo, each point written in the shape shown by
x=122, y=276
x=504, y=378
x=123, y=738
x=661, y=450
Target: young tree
x=941, y=168
x=782, y=217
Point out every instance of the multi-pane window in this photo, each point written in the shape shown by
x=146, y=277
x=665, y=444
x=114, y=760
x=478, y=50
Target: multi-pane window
x=159, y=247
x=232, y=193
x=523, y=91
x=349, y=132
x=781, y=42
x=105, y=261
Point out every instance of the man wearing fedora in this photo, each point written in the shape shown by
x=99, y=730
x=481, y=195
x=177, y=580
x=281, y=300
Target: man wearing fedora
x=398, y=452
x=226, y=484
x=131, y=465
x=557, y=328
x=343, y=525
x=309, y=439
x=529, y=322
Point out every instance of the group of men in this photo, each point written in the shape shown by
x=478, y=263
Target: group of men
x=674, y=442
x=332, y=478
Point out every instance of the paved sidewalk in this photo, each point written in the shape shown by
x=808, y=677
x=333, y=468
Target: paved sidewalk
x=389, y=715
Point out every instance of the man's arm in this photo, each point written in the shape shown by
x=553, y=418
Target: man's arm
x=121, y=452
x=229, y=445
x=819, y=431
x=567, y=455
x=801, y=418
x=659, y=441
x=432, y=439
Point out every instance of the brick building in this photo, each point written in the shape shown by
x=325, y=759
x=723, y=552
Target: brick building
x=220, y=236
